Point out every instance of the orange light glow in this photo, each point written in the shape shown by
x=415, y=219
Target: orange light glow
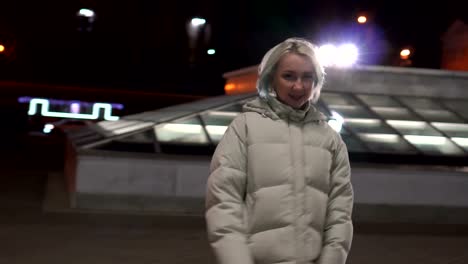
x=404, y=54
x=362, y=19
x=229, y=87
x=2, y=48
x=244, y=82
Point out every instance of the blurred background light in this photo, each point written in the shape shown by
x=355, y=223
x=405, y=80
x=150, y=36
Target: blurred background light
x=362, y=19
x=405, y=53
x=196, y=21
x=211, y=51
x=48, y=128
x=327, y=54
x=347, y=55
x=75, y=108
x=86, y=13
x=337, y=122
x=344, y=55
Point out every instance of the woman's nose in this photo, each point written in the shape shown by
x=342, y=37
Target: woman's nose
x=298, y=84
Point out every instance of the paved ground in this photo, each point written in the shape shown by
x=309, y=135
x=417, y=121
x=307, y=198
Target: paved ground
x=28, y=234
x=87, y=239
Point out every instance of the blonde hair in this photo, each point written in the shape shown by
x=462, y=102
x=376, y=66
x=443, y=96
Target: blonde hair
x=270, y=61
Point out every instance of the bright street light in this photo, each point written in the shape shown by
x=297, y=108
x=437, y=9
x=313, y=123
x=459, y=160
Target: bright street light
x=404, y=54
x=86, y=13
x=2, y=48
x=211, y=51
x=344, y=55
x=196, y=21
x=327, y=55
x=86, y=19
x=347, y=55
x=362, y=19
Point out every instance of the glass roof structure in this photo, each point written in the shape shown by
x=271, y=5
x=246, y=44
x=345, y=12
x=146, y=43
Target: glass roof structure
x=376, y=128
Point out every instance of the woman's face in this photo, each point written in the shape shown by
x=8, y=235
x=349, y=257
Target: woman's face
x=293, y=79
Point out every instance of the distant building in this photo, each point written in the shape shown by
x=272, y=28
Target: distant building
x=455, y=47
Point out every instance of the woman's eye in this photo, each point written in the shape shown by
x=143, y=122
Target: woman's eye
x=288, y=76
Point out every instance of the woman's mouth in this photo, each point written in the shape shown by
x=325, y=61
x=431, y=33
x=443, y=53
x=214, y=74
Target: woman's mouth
x=296, y=97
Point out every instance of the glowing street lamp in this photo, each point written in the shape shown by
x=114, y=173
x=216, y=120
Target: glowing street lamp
x=344, y=55
x=86, y=13
x=196, y=22
x=195, y=27
x=87, y=18
x=211, y=51
x=405, y=60
x=405, y=53
x=2, y=48
x=326, y=54
x=362, y=19
x=347, y=55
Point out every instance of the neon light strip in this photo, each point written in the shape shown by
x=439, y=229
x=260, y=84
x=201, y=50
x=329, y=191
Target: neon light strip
x=33, y=105
x=26, y=99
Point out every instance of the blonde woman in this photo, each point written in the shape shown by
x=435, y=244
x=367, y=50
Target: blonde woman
x=279, y=189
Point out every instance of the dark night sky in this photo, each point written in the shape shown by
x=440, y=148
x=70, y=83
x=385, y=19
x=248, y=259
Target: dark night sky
x=143, y=45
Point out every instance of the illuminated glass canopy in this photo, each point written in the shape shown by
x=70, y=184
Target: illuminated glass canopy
x=369, y=124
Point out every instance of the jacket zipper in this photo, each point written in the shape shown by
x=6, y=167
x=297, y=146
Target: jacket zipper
x=304, y=188
x=294, y=188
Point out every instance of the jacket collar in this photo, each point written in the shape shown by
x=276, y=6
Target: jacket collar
x=275, y=110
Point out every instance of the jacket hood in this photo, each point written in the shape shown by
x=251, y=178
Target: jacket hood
x=275, y=110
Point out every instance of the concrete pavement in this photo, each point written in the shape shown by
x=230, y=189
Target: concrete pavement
x=31, y=233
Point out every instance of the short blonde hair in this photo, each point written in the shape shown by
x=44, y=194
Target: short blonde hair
x=270, y=61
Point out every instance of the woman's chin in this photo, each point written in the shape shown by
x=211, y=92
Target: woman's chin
x=298, y=104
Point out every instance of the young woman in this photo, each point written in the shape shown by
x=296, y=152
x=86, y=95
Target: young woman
x=279, y=189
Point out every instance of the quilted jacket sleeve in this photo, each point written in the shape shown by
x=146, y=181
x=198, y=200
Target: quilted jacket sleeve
x=226, y=189
x=338, y=231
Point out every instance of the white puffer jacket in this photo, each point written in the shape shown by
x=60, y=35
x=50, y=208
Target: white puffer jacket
x=279, y=189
